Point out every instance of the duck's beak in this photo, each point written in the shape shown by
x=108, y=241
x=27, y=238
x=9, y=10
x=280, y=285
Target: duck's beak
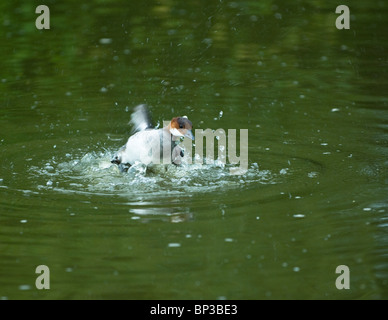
x=189, y=135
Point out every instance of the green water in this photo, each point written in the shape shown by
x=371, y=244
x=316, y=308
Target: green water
x=314, y=99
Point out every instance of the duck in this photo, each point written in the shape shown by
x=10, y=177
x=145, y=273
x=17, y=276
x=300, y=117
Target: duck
x=150, y=145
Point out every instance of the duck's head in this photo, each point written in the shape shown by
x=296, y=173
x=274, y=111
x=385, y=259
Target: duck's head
x=181, y=127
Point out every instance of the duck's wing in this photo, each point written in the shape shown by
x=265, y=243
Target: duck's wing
x=140, y=119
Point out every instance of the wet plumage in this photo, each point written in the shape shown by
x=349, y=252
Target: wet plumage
x=153, y=146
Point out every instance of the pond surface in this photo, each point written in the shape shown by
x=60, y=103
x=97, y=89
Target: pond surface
x=314, y=196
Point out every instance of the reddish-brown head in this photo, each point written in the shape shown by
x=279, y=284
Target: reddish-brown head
x=181, y=127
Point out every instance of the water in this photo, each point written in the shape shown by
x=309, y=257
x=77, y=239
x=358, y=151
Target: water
x=315, y=194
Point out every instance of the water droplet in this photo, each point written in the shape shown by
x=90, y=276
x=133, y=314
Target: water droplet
x=174, y=245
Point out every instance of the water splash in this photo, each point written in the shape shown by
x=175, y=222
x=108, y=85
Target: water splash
x=94, y=173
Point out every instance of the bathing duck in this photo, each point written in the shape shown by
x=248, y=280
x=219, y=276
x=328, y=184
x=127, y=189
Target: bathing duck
x=149, y=145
